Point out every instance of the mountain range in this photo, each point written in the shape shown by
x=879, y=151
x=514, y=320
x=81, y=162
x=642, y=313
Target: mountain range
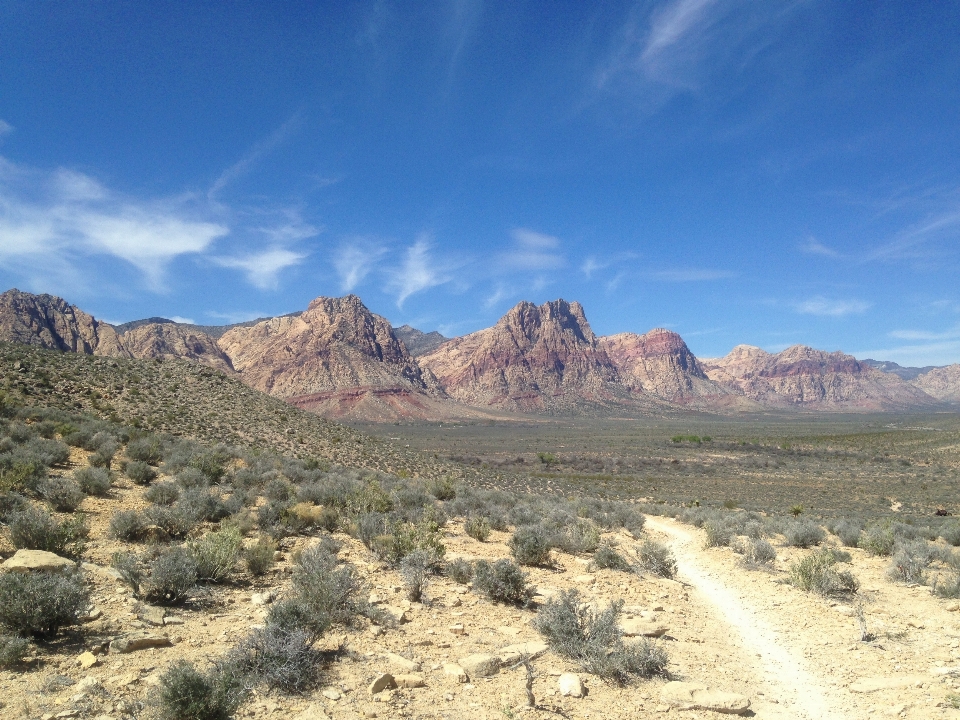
x=340, y=360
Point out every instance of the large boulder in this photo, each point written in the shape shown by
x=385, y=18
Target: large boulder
x=38, y=560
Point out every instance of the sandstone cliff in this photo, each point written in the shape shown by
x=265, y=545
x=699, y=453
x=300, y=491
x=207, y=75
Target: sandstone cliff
x=50, y=322
x=336, y=357
x=534, y=359
x=660, y=363
x=418, y=342
x=801, y=376
x=171, y=340
x=943, y=383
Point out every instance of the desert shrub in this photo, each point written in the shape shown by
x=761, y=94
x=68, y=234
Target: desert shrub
x=459, y=570
x=502, y=581
x=93, y=480
x=402, y=538
x=655, y=558
x=190, y=478
x=10, y=504
x=580, y=536
x=803, y=533
x=718, y=534
x=279, y=490
x=950, y=532
x=910, y=560
x=146, y=449
x=20, y=471
x=140, y=472
x=530, y=545
x=947, y=587
x=163, y=493
x=203, y=505
x=594, y=641
x=33, y=528
x=415, y=569
x=848, y=531
x=62, y=494
x=127, y=525
x=103, y=457
x=172, y=520
x=259, y=557
x=217, y=553
x=606, y=557
x=878, y=539
x=753, y=529
x=817, y=573
x=184, y=693
x=12, y=651
x=477, y=527
x=442, y=488
x=39, y=604
x=173, y=576
x=758, y=552
x=282, y=657
x=367, y=498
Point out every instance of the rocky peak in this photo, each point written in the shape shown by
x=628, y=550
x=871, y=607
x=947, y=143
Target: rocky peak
x=418, y=342
x=172, y=340
x=51, y=322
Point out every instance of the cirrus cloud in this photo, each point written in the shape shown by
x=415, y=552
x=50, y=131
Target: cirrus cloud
x=826, y=307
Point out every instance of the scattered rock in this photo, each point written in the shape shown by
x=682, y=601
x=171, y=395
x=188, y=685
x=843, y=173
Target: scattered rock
x=37, y=560
x=952, y=606
x=402, y=663
x=263, y=598
x=480, y=665
x=570, y=685
x=457, y=629
x=87, y=660
x=872, y=684
x=383, y=681
x=331, y=693
x=313, y=712
x=642, y=627
x=88, y=685
x=138, y=641
x=409, y=680
x=512, y=653
x=455, y=671
x=584, y=580
x=396, y=614
x=152, y=615
x=694, y=696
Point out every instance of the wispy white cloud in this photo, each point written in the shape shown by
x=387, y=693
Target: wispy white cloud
x=418, y=271
x=826, y=307
x=182, y=320
x=64, y=214
x=531, y=251
x=354, y=260
x=951, y=334
x=263, y=268
x=672, y=24
x=499, y=293
x=232, y=318
x=814, y=247
x=5, y=127
x=916, y=354
x=258, y=151
x=692, y=275
x=592, y=265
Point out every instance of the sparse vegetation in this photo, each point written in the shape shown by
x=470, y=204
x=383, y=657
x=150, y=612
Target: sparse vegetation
x=478, y=528
x=33, y=528
x=655, y=558
x=607, y=557
x=817, y=573
x=502, y=581
x=94, y=480
x=40, y=604
x=530, y=545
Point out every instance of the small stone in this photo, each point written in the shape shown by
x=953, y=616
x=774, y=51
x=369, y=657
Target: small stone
x=872, y=684
x=138, y=641
x=313, y=712
x=952, y=606
x=457, y=629
x=87, y=660
x=409, y=680
x=455, y=671
x=376, y=631
x=172, y=621
x=88, y=685
x=641, y=627
x=584, y=579
x=331, y=693
x=374, y=599
x=694, y=696
x=154, y=534
x=396, y=614
x=456, y=602
x=570, y=685
x=152, y=615
x=263, y=598
x=402, y=663
x=480, y=665
x=383, y=681
x=513, y=653
x=91, y=614
x=37, y=561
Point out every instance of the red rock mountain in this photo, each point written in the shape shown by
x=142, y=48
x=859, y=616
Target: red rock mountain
x=50, y=322
x=943, y=383
x=534, y=359
x=169, y=340
x=660, y=363
x=801, y=376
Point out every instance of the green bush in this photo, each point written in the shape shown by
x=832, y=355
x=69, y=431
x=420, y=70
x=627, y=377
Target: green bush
x=402, y=538
x=442, y=488
x=910, y=560
x=594, y=640
x=502, y=581
x=477, y=527
x=655, y=558
x=127, y=525
x=186, y=694
x=140, y=472
x=12, y=651
x=459, y=570
x=415, y=569
x=259, y=557
x=803, y=533
x=948, y=587
x=174, y=521
x=817, y=573
x=718, y=533
x=530, y=545
x=39, y=604
x=35, y=529
x=759, y=552
x=878, y=539
x=581, y=536
x=848, y=531
x=62, y=494
x=216, y=554
x=163, y=493
x=93, y=480
x=606, y=557
x=145, y=449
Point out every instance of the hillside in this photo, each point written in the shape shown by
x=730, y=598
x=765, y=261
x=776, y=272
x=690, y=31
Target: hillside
x=942, y=383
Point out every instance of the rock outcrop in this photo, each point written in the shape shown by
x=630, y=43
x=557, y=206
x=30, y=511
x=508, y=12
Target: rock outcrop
x=171, y=340
x=942, y=383
x=337, y=358
x=801, y=376
x=418, y=342
x=534, y=359
x=50, y=322
x=660, y=363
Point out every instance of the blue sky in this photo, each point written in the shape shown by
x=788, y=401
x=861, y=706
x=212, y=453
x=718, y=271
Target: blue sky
x=767, y=173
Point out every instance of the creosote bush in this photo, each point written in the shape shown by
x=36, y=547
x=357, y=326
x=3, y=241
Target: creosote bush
x=817, y=573
x=259, y=557
x=169, y=578
x=803, y=533
x=655, y=558
x=93, y=480
x=477, y=527
x=35, y=529
x=502, y=581
x=140, y=472
x=217, y=553
x=878, y=539
x=416, y=569
x=186, y=694
x=910, y=560
x=127, y=525
x=607, y=557
x=62, y=494
x=593, y=639
x=13, y=650
x=163, y=493
x=39, y=604
x=280, y=656
x=459, y=570
x=530, y=545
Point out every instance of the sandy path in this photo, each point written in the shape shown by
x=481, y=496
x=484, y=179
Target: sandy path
x=782, y=669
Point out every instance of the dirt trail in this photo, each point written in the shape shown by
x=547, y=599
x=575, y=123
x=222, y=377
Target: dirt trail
x=786, y=675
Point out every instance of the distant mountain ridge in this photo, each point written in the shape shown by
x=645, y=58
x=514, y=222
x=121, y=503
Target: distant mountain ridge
x=340, y=360
x=907, y=373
